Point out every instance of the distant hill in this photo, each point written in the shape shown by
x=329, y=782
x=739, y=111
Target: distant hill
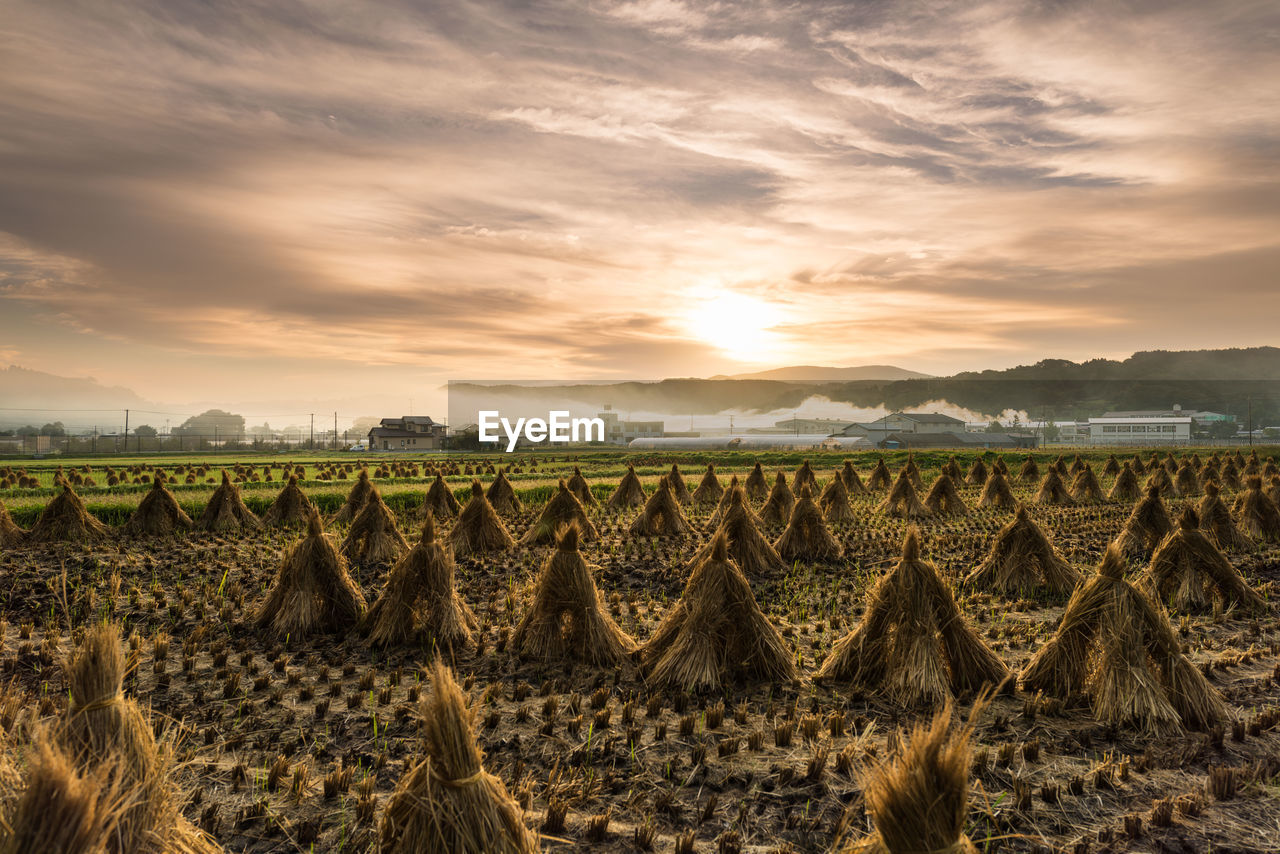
x=813, y=373
x=1230, y=381
x=22, y=388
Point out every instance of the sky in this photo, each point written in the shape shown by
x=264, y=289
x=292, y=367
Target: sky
x=290, y=200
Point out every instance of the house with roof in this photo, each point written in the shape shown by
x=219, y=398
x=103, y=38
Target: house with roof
x=407, y=433
x=919, y=422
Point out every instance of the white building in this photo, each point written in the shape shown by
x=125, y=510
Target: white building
x=618, y=431
x=1140, y=430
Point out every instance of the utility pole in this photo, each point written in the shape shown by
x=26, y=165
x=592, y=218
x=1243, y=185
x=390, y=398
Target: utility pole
x=335, y=431
x=311, y=443
x=126, y=431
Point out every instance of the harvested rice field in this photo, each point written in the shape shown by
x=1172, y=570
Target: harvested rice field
x=619, y=652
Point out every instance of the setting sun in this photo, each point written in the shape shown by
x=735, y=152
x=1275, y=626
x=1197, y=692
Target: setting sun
x=739, y=326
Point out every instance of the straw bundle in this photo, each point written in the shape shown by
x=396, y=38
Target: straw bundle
x=629, y=492
x=977, y=473
x=440, y=501
x=726, y=500
x=1085, y=486
x=806, y=537
x=879, y=477
x=998, y=464
x=1161, y=481
x=903, y=500
x=419, y=599
x=1126, y=487
x=1253, y=467
x=563, y=508
x=1231, y=476
x=1186, y=482
x=357, y=497
x=312, y=591
x=1117, y=646
x=1052, y=490
x=1273, y=490
x=715, y=631
x=502, y=495
x=952, y=469
x=11, y=534
x=581, y=489
x=661, y=516
x=913, y=472
x=60, y=809
x=1030, y=472
x=996, y=492
x=757, y=487
x=913, y=643
x=479, y=529
x=943, y=499
x=753, y=554
x=374, y=536
x=834, y=501
x=1188, y=572
x=1146, y=526
x=852, y=483
x=66, y=519
x=919, y=797
x=804, y=477
x=1060, y=466
x=1112, y=468
x=104, y=729
x=226, y=510
x=1170, y=464
x=678, y=487
x=1216, y=521
x=709, y=490
x=1138, y=466
x=448, y=801
x=777, y=510
x=291, y=508
x=568, y=617
x=1022, y=561
x=1258, y=515
x=1077, y=466
x=158, y=513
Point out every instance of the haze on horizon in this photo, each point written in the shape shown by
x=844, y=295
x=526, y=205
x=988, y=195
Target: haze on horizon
x=290, y=200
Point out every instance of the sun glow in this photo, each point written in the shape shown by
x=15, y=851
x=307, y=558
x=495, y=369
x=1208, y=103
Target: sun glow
x=738, y=325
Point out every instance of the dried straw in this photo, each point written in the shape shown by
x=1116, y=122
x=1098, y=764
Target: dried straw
x=291, y=507
x=568, y=618
x=419, y=600
x=1023, y=561
x=479, y=529
x=629, y=492
x=913, y=643
x=226, y=511
x=1189, y=573
x=65, y=519
x=312, y=591
x=943, y=499
x=661, y=516
x=806, y=537
x=448, y=802
x=561, y=509
x=440, y=501
x=716, y=631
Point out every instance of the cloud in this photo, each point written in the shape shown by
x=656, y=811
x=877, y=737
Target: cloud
x=478, y=188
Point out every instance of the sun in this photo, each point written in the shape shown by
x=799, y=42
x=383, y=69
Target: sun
x=738, y=325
